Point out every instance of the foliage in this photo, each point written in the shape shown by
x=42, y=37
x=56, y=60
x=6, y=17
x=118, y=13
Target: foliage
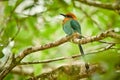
x=36, y=22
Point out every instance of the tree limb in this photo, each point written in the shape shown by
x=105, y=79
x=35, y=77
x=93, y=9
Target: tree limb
x=64, y=58
x=73, y=71
x=101, y=5
x=16, y=61
x=109, y=33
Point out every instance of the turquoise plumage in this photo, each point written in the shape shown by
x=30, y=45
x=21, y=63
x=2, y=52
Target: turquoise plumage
x=70, y=26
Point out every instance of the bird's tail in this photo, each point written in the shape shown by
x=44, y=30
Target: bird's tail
x=82, y=53
x=81, y=49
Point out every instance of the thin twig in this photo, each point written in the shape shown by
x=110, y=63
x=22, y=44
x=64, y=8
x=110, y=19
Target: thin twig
x=87, y=15
x=64, y=58
x=101, y=41
x=18, y=30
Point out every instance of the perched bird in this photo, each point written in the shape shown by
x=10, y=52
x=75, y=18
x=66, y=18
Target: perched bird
x=70, y=26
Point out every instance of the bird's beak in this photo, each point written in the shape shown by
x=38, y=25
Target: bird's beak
x=63, y=15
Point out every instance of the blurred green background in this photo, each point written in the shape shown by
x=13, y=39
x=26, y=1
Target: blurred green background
x=25, y=23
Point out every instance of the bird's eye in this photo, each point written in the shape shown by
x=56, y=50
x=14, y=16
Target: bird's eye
x=68, y=16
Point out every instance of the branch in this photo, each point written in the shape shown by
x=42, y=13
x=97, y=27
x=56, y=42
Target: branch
x=73, y=71
x=101, y=5
x=16, y=61
x=43, y=47
x=109, y=33
x=29, y=50
x=64, y=58
x=50, y=60
x=18, y=30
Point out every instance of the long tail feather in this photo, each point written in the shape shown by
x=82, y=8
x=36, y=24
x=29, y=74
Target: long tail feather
x=82, y=53
x=81, y=49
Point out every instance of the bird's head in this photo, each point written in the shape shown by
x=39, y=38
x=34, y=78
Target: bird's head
x=69, y=15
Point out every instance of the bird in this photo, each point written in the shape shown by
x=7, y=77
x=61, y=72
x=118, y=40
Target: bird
x=70, y=26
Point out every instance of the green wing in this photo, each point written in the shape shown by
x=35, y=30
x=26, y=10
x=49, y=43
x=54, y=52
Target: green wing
x=67, y=28
x=76, y=26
